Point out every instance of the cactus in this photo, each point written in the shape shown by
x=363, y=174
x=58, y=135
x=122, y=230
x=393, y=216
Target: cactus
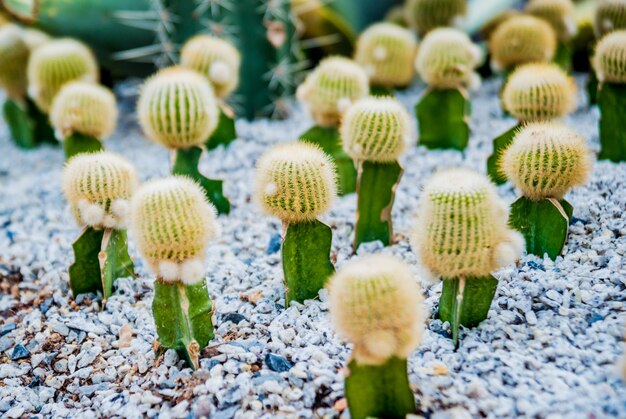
x=610, y=16
x=98, y=187
x=545, y=161
x=462, y=235
x=327, y=92
x=374, y=133
x=376, y=305
x=426, y=15
x=297, y=182
x=560, y=15
x=387, y=52
x=446, y=61
x=178, y=109
x=172, y=224
x=83, y=114
x=534, y=92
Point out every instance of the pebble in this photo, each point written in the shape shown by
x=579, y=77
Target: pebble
x=277, y=363
x=19, y=352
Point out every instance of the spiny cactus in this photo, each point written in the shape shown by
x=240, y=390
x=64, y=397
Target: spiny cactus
x=35, y=38
x=374, y=132
x=172, y=223
x=14, y=53
x=387, y=53
x=98, y=187
x=610, y=16
x=83, y=114
x=426, y=15
x=297, y=183
x=609, y=59
x=376, y=304
x=558, y=13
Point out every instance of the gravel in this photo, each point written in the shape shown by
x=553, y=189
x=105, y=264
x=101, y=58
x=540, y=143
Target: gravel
x=549, y=348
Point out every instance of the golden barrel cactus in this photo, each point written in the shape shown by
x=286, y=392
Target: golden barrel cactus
x=426, y=15
x=610, y=16
x=609, y=60
x=560, y=14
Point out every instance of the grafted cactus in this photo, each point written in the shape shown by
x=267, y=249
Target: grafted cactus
x=178, y=109
x=426, y=15
x=610, y=16
x=173, y=223
x=545, y=161
x=446, y=61
x=98, y=187
x=376, y=305
x=297, y=183
x=83, y=114
x=462, y=235
x=374, y=133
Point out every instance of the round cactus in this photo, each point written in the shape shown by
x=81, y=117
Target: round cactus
x=98, y=187
x=376, y=304
x=84, y=108
x=177, y=108
x=546, y=160
x=172, y=223
x=55, y=63
x=426, y=15
x=14, y=54
x=609, y=60
x=214, y=58
x=520, y=40
x=35, y=38
x=558, y=13
x=538, y=92
x=447, y=58
x=386, y=52
x=462, y=227
x=375, y=129
x=610, y=16
x=296, y=182
x=331, y=88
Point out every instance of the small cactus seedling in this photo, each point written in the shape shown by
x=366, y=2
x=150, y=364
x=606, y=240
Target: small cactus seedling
x=610, y=16
x=446, y=61
x=219, y=62
x=387, y=53
x=533, y=93
x=376, y=304
x=98, y=187
x=83, y=114
x=328, y=91
x=426, y=15
x=374, y=133
x=609, y=62
x=461, y=235
x=544, y=161
x=178, y=109
x=297, y=183
x=172, y=223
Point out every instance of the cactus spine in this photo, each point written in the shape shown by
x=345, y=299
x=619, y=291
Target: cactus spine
x=297, y=182
x=426, y=15
x=172, y=223
x=374, y=133
x=98, y=187
x=376, y=305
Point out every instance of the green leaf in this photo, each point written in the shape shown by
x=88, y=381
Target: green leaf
x=612, y=103
x=21, y=126
x=328, y=139
x=79, y=143
x=186, y=163
x=592, y=88
x=466, y=301
x=117, y=262
x=225, y=133
x=306, y=259
x=381, y=91
x=544, y=224
x=443, y=116
x=182, y=316
x=379, y=391
x=563, y=56
x=376, y=190
x=499, y=145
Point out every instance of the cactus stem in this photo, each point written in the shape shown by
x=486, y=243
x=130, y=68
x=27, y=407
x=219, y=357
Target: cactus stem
x=20, y=124
x=612, y=125
x=443, y=116
x=381, y=91
x=499, y=145
x=79, y=143
x=563, y=56
x=225, y=133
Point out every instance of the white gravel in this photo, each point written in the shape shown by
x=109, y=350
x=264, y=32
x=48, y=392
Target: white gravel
x=548, y=349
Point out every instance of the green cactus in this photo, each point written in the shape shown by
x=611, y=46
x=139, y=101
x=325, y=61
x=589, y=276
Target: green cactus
x=426, y=15
x=296, y=182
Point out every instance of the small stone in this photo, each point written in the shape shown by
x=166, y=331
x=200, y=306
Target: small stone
x=125, y=336
x=170, y=358
x=19, y=352
x=45, y=306
x=277, y=363
x=16, y=412
x=7, y=328
x=233, y=317
x=536, y=266
x=274, y=244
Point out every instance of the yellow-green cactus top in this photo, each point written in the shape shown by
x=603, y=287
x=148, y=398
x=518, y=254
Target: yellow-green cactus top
x=376, y=129
x=558, y=13
x=387, y=52
x=14, y=53
x=216, y=59
x=55, y=63
x=610, y=16
x=84, y=108
x=172, y=224
x=426, y=15
x=35, y=38
x=546, y=160
x=177, y=108
x=609, y=60
x=98, y=187
x=331, y=88
x=376, y=304
x=461, y=228
x=296, y=182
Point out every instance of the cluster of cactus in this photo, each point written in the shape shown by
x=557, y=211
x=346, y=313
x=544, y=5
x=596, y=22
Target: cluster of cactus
x=426, y=15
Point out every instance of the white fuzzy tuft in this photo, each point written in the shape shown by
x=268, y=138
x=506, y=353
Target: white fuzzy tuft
x=571, y=27
x=302, y=92
x=192, y=271
x=370, y=70
x=219, y=72
x=270, y=189
x=356, y=148
x=380, y=344
x=91, y=214
x=477, y=54
x=120, y=207
x=169, y=271
x=379, y=53
x=458, y=21
x=607, y=25
x=58, y=134
x=343, y=104
x=509, y=251
x=109, y=221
